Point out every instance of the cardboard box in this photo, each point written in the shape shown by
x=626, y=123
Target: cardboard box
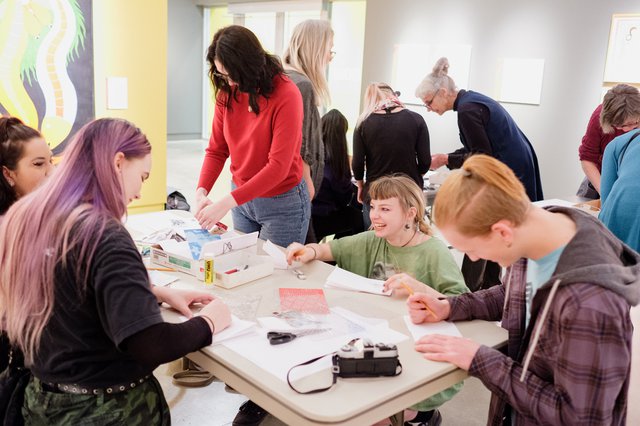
x=239, y=268
x=188, y=265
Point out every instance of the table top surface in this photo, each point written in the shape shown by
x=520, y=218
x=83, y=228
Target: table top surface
x=350, y=401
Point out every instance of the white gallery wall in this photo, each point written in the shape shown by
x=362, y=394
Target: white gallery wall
x=571, y=36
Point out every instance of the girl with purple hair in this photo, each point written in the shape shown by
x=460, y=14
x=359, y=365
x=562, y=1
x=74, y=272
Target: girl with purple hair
x=76, y=298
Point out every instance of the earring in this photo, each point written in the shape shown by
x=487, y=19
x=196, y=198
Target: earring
x=407, y=226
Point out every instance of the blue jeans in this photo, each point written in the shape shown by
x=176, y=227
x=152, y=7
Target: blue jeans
x=281, y=219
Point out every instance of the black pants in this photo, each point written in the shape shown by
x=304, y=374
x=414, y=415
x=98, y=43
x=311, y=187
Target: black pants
x=480, y=274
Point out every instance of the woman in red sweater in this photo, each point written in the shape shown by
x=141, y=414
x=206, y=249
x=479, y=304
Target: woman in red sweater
x=258, y=123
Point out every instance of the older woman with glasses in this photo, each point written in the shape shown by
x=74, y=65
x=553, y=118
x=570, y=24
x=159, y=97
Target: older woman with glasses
x=485, y=128
x=617, y=114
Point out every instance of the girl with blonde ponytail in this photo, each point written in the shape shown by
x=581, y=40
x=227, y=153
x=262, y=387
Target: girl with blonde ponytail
x=565, y=302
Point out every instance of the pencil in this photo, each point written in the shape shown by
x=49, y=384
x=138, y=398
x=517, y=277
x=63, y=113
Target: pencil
x=161, y=269
x=422, y=301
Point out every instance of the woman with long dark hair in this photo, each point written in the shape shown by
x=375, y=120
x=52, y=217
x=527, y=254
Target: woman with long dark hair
x=258, y=123
x=334, y=209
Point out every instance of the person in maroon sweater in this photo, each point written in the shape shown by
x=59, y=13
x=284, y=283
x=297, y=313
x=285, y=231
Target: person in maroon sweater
x=609, y=120
x=258, y=123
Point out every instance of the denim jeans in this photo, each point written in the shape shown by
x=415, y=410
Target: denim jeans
x=281, y=219
x=365, y=216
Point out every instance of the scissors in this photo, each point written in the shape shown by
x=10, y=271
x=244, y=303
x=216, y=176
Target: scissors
x=280, y=337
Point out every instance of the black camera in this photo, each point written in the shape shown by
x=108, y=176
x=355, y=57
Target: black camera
x=361, y=358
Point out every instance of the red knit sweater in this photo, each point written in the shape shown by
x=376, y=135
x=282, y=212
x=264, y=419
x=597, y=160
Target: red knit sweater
x=264, y=148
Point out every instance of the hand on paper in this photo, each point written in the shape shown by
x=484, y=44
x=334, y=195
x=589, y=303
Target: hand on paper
x=213, y=212
x=395, y=283
x=419, y=314
x=181, y=300
x=201, y=200
x=459, y=351
x=219, y=313
x=300, y=253
x=439, y=160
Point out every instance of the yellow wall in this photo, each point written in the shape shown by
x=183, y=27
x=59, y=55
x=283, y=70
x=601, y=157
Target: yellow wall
x=130, y=40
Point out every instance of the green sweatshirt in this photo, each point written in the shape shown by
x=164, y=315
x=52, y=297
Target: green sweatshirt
x=430, y=262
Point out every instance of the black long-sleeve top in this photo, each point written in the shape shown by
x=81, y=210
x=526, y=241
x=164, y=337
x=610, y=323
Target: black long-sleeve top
x=391, y=143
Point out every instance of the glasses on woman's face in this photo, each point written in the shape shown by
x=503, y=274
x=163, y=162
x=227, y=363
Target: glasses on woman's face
x=430, y=101
x=628, y=126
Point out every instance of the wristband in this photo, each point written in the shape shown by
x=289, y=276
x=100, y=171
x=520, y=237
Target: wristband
x=315, y=253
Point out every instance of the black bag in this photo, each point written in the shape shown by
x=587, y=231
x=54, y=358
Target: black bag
x=13, y=381
x=177, y=201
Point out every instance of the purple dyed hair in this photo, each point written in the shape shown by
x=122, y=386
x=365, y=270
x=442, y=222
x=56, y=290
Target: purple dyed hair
x=70, y=211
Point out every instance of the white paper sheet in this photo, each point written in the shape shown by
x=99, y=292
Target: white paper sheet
x=278, y=359
x=161, y=279
x=553, y=202
x=346, y=280
x=420, y=330
x=148, y=223
x=237, y=328
x=278, y=256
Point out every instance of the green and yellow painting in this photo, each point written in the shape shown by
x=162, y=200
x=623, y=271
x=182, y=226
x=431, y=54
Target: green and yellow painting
x=46, y=65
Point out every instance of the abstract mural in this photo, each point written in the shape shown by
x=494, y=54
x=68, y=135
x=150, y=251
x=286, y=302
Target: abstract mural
x=46, y=65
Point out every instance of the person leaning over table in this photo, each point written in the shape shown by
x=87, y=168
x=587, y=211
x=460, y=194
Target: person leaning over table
x=76, y=298
x=485, y=128
x=618, y=114
x=399, y=249
x=565, y=302
x=258, y=123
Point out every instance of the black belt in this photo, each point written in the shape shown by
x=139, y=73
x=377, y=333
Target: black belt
x=90, y=390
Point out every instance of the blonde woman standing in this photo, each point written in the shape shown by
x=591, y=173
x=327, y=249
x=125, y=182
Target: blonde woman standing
x=388, y=139
x=305, y=61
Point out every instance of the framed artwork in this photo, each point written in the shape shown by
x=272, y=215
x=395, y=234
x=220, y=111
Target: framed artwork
x=521, y=80
x=623, y=54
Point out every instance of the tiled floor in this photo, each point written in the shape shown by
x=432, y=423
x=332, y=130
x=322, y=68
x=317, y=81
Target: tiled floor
x=214, y=406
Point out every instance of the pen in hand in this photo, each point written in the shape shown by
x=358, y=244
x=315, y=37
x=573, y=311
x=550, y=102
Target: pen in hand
x=410, y=290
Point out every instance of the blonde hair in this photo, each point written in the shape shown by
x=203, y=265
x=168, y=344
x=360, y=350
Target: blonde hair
x=306, y=54
x=375, y=93
x=620, y=104
x=436, y=80
x=408, y=194
x=481, y=193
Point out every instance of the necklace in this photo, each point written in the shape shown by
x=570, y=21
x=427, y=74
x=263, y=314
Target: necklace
x=412, y=237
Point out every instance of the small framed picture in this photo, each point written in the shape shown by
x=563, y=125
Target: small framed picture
x=623, y=54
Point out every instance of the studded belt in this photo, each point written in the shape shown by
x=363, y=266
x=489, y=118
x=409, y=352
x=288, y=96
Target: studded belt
x=88, y=390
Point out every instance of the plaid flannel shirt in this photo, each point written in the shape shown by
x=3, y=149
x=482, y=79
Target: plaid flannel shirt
x=579, y=372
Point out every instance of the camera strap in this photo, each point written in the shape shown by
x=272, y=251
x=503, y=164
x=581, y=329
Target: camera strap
x=311, y=361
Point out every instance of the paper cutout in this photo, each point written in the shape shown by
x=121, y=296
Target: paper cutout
x=309, y=300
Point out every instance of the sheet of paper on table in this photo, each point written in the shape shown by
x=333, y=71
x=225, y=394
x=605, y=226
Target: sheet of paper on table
x=346, y=280
x=278, y=256
x=278, y=359
x=161, y=279
x=420, y=330
x=236, y=329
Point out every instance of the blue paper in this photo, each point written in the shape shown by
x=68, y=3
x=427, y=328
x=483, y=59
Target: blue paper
x=197, y=238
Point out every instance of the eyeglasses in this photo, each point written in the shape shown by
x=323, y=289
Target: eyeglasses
x=429, y=102
x=628, y=126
